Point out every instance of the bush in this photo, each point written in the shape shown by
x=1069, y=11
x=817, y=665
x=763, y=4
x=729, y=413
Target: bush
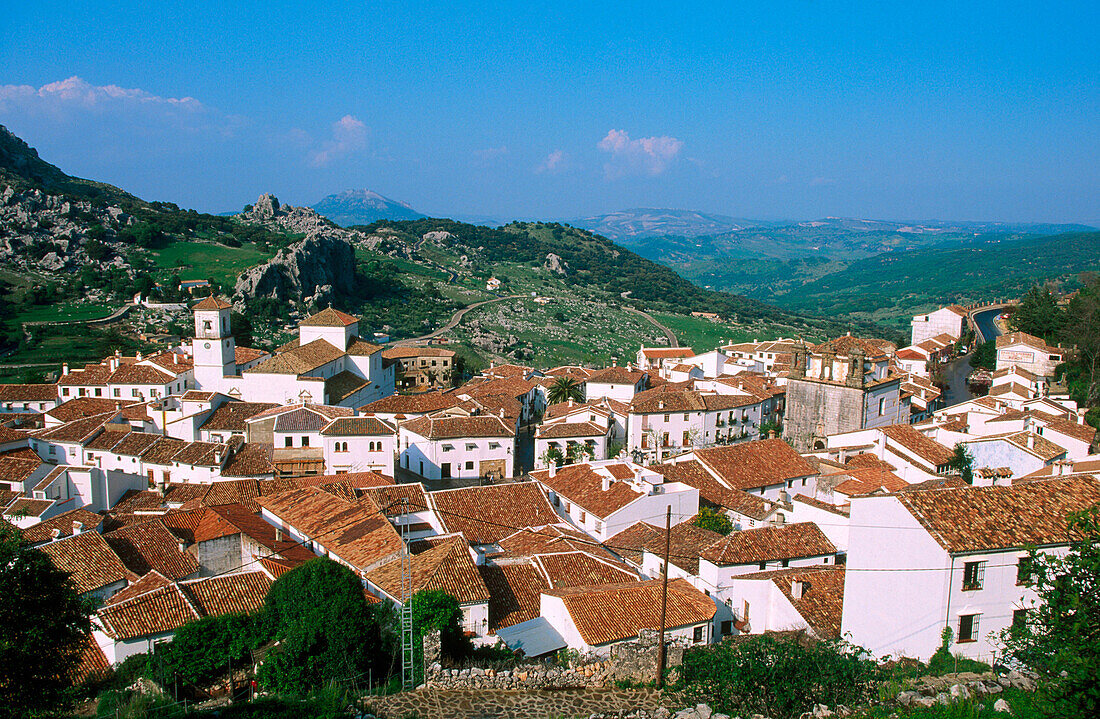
x=204, y=650
x=712, y=520
x=780, y=678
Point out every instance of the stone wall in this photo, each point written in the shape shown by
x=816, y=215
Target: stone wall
x=630, y=661
x=817, y=409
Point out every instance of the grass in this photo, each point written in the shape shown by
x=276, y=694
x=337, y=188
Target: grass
x=703, y=335
x=1025, y=705
x=209, y=260
x=65, y=312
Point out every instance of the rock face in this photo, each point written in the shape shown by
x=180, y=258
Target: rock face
x=556, y=264
x=315, y=270
x=268, y=211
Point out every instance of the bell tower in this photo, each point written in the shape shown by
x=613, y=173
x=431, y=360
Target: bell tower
x=213, y=348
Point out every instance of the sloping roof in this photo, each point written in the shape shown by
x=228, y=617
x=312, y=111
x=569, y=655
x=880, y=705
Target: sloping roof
x=769, y=544
x=158, y=611
x=459, y=427
x=514, y=593
x=329, y=317
x=411, y=352
x=231, y=416
x=686, y=543
x=300, y=420
x=754, y=464
x=616, y=612
x=202, y=454
x=583, y=486
x=923, y=447
x=822, y=600
x=487, y=514
x=78, y=430
x=241, y=592
x=446, y=567
x=299, y=360
x=580, y=569
x=356, y=532
x=150, y=545
x=532, y=541
x=667, y=352
x=358, y=427
x=250, y=459
x=666, y=399
x=88, y=559
x=211, y=303
x=711, y=490
x=140, y=374
x=28, y=392
x=342, y=385
x=81, y=407
x=43, y=531
x=973, y=519
x=163, y=450
x=1023, y=338
x=421, y=403
x=616, y=375
x=567, y=430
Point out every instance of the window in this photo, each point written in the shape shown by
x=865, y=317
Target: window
x=697, y=635
x=65, y=392
x=469, y=465
x=494, y=445
x=117, y=392
x=687, y=416
x=471, y=447
x=727, y=627
x=968, y=628
x=98, y=392
x=288, y=442
x=686, y=439
x=598, y=526
x=882, y=406
x=1019, y=616
x=1023, y=571
x=763, y=566
x=206, y=324
x=973, y=576
x=305, y=441
x=448, y=448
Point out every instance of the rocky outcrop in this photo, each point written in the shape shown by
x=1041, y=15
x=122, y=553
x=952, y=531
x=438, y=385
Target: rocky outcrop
x=556, y=264
x=268, y=211
x=316, y=271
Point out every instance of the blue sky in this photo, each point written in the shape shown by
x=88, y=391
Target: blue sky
x=983, y=111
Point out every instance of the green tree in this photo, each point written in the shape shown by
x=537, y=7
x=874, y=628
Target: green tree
x=962, y=462
x=435, y=609
x=43, y=625
x=1060, y=638
x=242, y=329
x=1039, y=314
x=1082, y=330
x=985, y=356
x=564, y=389
x=203, y=650
x=712, y=520
x=326, y=630
x=553, y=455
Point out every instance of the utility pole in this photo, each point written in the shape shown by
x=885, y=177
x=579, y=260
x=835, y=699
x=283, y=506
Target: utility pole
x=664, y=600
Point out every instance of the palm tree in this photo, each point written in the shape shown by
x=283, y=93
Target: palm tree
x=564, y=389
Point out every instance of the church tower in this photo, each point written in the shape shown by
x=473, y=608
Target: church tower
x=213, y=348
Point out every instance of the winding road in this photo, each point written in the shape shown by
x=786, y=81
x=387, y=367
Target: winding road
x=453, y=322
x=672, y=341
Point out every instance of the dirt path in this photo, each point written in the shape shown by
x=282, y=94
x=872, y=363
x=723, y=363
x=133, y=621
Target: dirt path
x=456, y=318
x=672, y=341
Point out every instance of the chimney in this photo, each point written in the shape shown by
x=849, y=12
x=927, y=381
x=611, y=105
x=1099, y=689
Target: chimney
x=278, y=535
x=64, y=368
x=771, y=434
x=218, y=454
x=661, y=404
x=502, y=413
x=118, y=405
x=1030, y=440
x=175, y=358
x=570, y=402
x=553, y=468
x=138, y=356
x=159, y=484
x=55, y=533
x=112, y=364
x=605, y=482
x=797, y=589
x=78, y=527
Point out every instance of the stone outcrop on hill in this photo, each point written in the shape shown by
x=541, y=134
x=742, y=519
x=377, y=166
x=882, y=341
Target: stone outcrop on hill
x=315, y=270
x=268, y=211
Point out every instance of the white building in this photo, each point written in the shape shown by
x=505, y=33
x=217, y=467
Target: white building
x=457, y=447
x=951, y=558
x=359, y=444
x=1029, y=353
x=950, y=320
x=620, y=383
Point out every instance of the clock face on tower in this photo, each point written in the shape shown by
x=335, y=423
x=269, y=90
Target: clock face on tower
x=206, y=345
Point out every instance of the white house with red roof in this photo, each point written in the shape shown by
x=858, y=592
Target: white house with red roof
x=1029, y=353
x=441, y=447
x=950, y=320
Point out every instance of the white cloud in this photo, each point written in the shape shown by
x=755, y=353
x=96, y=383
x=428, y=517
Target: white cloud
x=554, y=162
x=642, y=156
x=75, y=98
x=349, y=135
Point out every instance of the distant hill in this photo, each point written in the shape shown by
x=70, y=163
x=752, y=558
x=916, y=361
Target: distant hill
x=639, y=223
x=362, y=207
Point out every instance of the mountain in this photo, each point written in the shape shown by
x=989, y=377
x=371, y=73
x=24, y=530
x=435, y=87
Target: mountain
x=362, y=207
x=640, y=223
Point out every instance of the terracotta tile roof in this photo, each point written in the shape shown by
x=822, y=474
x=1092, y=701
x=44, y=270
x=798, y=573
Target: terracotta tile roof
x=150, y=545
x=237, y=491
x=566, y=430
x=616, y=375
x=446, y=567
x=1087, y=466
x=88, y=559
x=28, y=392
x=1082, y=432
x=163, y=450
x=824, y=506
x=231, y=416
x=93, y=664
x=17, y=467
x=667, y=352
x=866, y=480
x=822, y=600
x=141, y=375
x=325, y=410
x=342, y=385
x=508, y=370
x=357, y=532
x=329, y=317
x=583, y=486
x=580, y=569
x=107, y=439
x=244, y=520
x=769, y=544
x=712, y=491
x=562, y=409
x=299, y=360
x=77, y=430
x=845, y=344
x=135, y=443
x=391, y=498
x=926, y=448
x=157, y=611
x=43, y=531
x=499, y=405
x=487, y=514
x=514, y=593
x=300, y=420
x=242, y=592
x=12, y=435
x=358, y=427
x=251, y=459
x=972, y=519
x=551, y=539
x=1023, y=338
x=173, y=362
x=411, y=352
x=616, y=612
x=421, y=403
x=667, y=399
x=45, y=481
x=81, y=407
x=754, y=464
x=434, y=428
x=89, y=375
x=864, y=459
x=244, y=355
x=361, y=348
x=202, y=454
x=1042, y=447
x=211, y=303
x=27, y=507
x=515, y=387
x=351, y=480
x=152, y=580
x=686, y=543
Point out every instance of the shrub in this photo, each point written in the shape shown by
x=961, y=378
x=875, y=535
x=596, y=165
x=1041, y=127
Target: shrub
x=204, y=650
x=712, y=520
x=780, y=678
